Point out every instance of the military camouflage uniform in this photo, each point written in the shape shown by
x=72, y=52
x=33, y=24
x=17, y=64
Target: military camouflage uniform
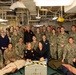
x=42, y=33
x=14, y=39
x=19, y=49
x=73, y=35
x=34, y=45
x=53, y=46
x=21, y=34
x=48, y=35
x=38, y=36
x=61, y=40
x=69, y=53
x=1, y=59
x=9, y=55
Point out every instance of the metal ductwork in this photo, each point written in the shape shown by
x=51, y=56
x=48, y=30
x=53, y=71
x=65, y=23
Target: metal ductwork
x=30, y=5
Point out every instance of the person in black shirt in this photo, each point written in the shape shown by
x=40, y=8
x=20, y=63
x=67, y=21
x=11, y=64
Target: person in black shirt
x=4, y=41
x=29, y=53
x=46, y=45
x=28, y=34
x=41, y=52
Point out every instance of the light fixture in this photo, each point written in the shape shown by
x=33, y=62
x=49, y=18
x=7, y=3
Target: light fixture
x=17, y=4
x=37, y=25
x=38, y=17
x=60, y=18
x=3, y=20
x=4, y=23
x=54, y=18
x=53, y=2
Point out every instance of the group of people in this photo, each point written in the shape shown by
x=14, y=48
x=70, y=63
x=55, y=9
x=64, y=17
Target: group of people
x=30, y=43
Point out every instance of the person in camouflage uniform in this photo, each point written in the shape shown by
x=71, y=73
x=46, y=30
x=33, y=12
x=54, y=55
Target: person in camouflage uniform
x=34, y=43
x=53, y=44
x=62, y=40
x=58, y=30
x=72, y=33
x=20, y=33
x=43, y=30
x=15, y=38
x=19, y=48
x=11, y=30
x=33, y=29
x=1, y=59
x=38, y=34
x=48, y=33
x=9, y=54
x=69, y=52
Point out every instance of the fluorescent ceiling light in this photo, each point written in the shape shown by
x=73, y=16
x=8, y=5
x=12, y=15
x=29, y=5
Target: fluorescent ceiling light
x=53, y=2
x=38, y=17
x=17, y=4
x=4, y=23
x=3, y=20
x=54, y=18
x=37, y=25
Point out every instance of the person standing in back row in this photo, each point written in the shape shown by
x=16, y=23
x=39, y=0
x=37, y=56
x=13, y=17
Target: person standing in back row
x=53, y=44
x=28, y=34
x=62, y=40
x=72, y=33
